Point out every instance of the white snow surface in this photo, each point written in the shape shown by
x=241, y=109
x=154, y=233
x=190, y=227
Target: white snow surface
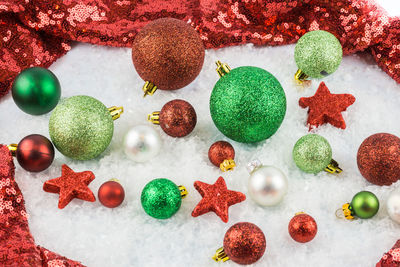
x=127, y=236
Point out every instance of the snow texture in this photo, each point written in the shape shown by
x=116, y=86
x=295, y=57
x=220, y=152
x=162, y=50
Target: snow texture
x=126, y=236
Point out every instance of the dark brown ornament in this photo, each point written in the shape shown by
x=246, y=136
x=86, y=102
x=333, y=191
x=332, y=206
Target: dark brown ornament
x=168, y=53
x=244, y=243
x=35, y=153
x=222, y=155
x=302, y=228
x=177, y=118
x=378, y=159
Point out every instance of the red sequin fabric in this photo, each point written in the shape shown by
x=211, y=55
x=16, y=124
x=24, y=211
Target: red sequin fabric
x=37, y=32
x=17, y=246
x=391, y=258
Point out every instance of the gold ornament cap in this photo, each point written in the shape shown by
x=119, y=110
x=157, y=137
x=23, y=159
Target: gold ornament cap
x=300, y=76
x=227, y=165
x=183, y=191
x=149, y=88
x=220, y=255
x=345, y=212
x=154, y=117
x=333, y=167
x=13, y=149
x=116, y=112
x=222, y=68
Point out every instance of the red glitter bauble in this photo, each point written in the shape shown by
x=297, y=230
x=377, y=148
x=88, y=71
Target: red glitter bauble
x=244, y=243
x=169, y=53
x=220, y=151
x=378, y=159
x=35, y=153
x=111, y=194
x=178, y=118
x=302, y=228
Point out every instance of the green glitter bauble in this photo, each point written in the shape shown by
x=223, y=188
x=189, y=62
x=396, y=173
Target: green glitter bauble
x=36, y=91
x=248, y=104
x=161, y=198
x=81, y=127
x=318, y=53
x=312, y=153
x=364, y=205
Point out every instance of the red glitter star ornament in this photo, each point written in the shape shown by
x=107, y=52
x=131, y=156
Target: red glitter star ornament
x=71, y=185
x=325, y=107
x=216, y=198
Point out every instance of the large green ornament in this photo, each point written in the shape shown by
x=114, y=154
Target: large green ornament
x=247, y=104
x=312, y=153
x=36, y=91
x=317, y=54
x=364, y=205
x=81, y=127
x=161, y=198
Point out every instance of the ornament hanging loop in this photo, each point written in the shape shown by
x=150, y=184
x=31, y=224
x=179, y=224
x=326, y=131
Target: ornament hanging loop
x=345, y=213
x=222, y=68
x=183, y=191
x=227, y=165
x=149, y=88
x=333, y=167
x=13, y=149
x=154, y=117
x=116, y=112
x=300, y=76
x=220, y=255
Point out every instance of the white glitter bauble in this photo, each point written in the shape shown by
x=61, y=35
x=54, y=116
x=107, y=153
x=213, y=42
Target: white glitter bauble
x=142, y=143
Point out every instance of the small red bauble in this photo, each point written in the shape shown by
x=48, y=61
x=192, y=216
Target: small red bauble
x=222, y=155
x=302, y=228
x=111, y=194
x=177, y=118
x=244, y=243
x=168, y=53
x=378, y=159
x=35, y=153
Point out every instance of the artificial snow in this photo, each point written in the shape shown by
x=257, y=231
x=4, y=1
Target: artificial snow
x=127, y=236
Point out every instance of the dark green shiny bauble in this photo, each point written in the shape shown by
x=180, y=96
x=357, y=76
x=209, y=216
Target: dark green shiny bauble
x=248, y=104
x=81, y=127
x=161, y=198
x=36, y=91
x=364, y=205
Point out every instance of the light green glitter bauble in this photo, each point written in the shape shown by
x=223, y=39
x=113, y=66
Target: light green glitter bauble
x=161, y=198
x=248, y=104
x=81, y=127
x=318, y=53
x=312, y=153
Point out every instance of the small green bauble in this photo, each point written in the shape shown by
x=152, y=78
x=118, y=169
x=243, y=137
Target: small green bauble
x=364, y=205
x=248, y=104
x=318, y=54
x=161, y=198
x=312, y=153
x=36, y=91
x=81, y=127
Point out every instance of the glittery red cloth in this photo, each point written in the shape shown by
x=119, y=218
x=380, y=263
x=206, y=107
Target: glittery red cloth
x=391, y=258
x=17, y=246
x=37, y=32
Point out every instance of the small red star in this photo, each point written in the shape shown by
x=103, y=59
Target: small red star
x=71, y=185
x=325, y=107
x=216, y=198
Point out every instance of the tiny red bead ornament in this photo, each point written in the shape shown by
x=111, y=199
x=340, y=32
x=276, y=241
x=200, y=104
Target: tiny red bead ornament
x=302, y=228
x=325, y=107
x=71, y=185
x=111, y=194
x=178, y=118
x=35, y=153
x=378, y=159
x=222, y=152
x=244, y=243
x=216, y=198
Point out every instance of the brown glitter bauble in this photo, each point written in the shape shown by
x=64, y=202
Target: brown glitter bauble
x=35, y=153
x=169, y=53
x=244, y=243
x=302, y=228
x=111, y=194
x=220, y=151
x=378, y=159
x=178, y=118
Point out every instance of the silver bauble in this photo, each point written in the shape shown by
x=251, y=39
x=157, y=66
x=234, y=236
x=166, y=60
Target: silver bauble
x=393, y=205
x=142, y=143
